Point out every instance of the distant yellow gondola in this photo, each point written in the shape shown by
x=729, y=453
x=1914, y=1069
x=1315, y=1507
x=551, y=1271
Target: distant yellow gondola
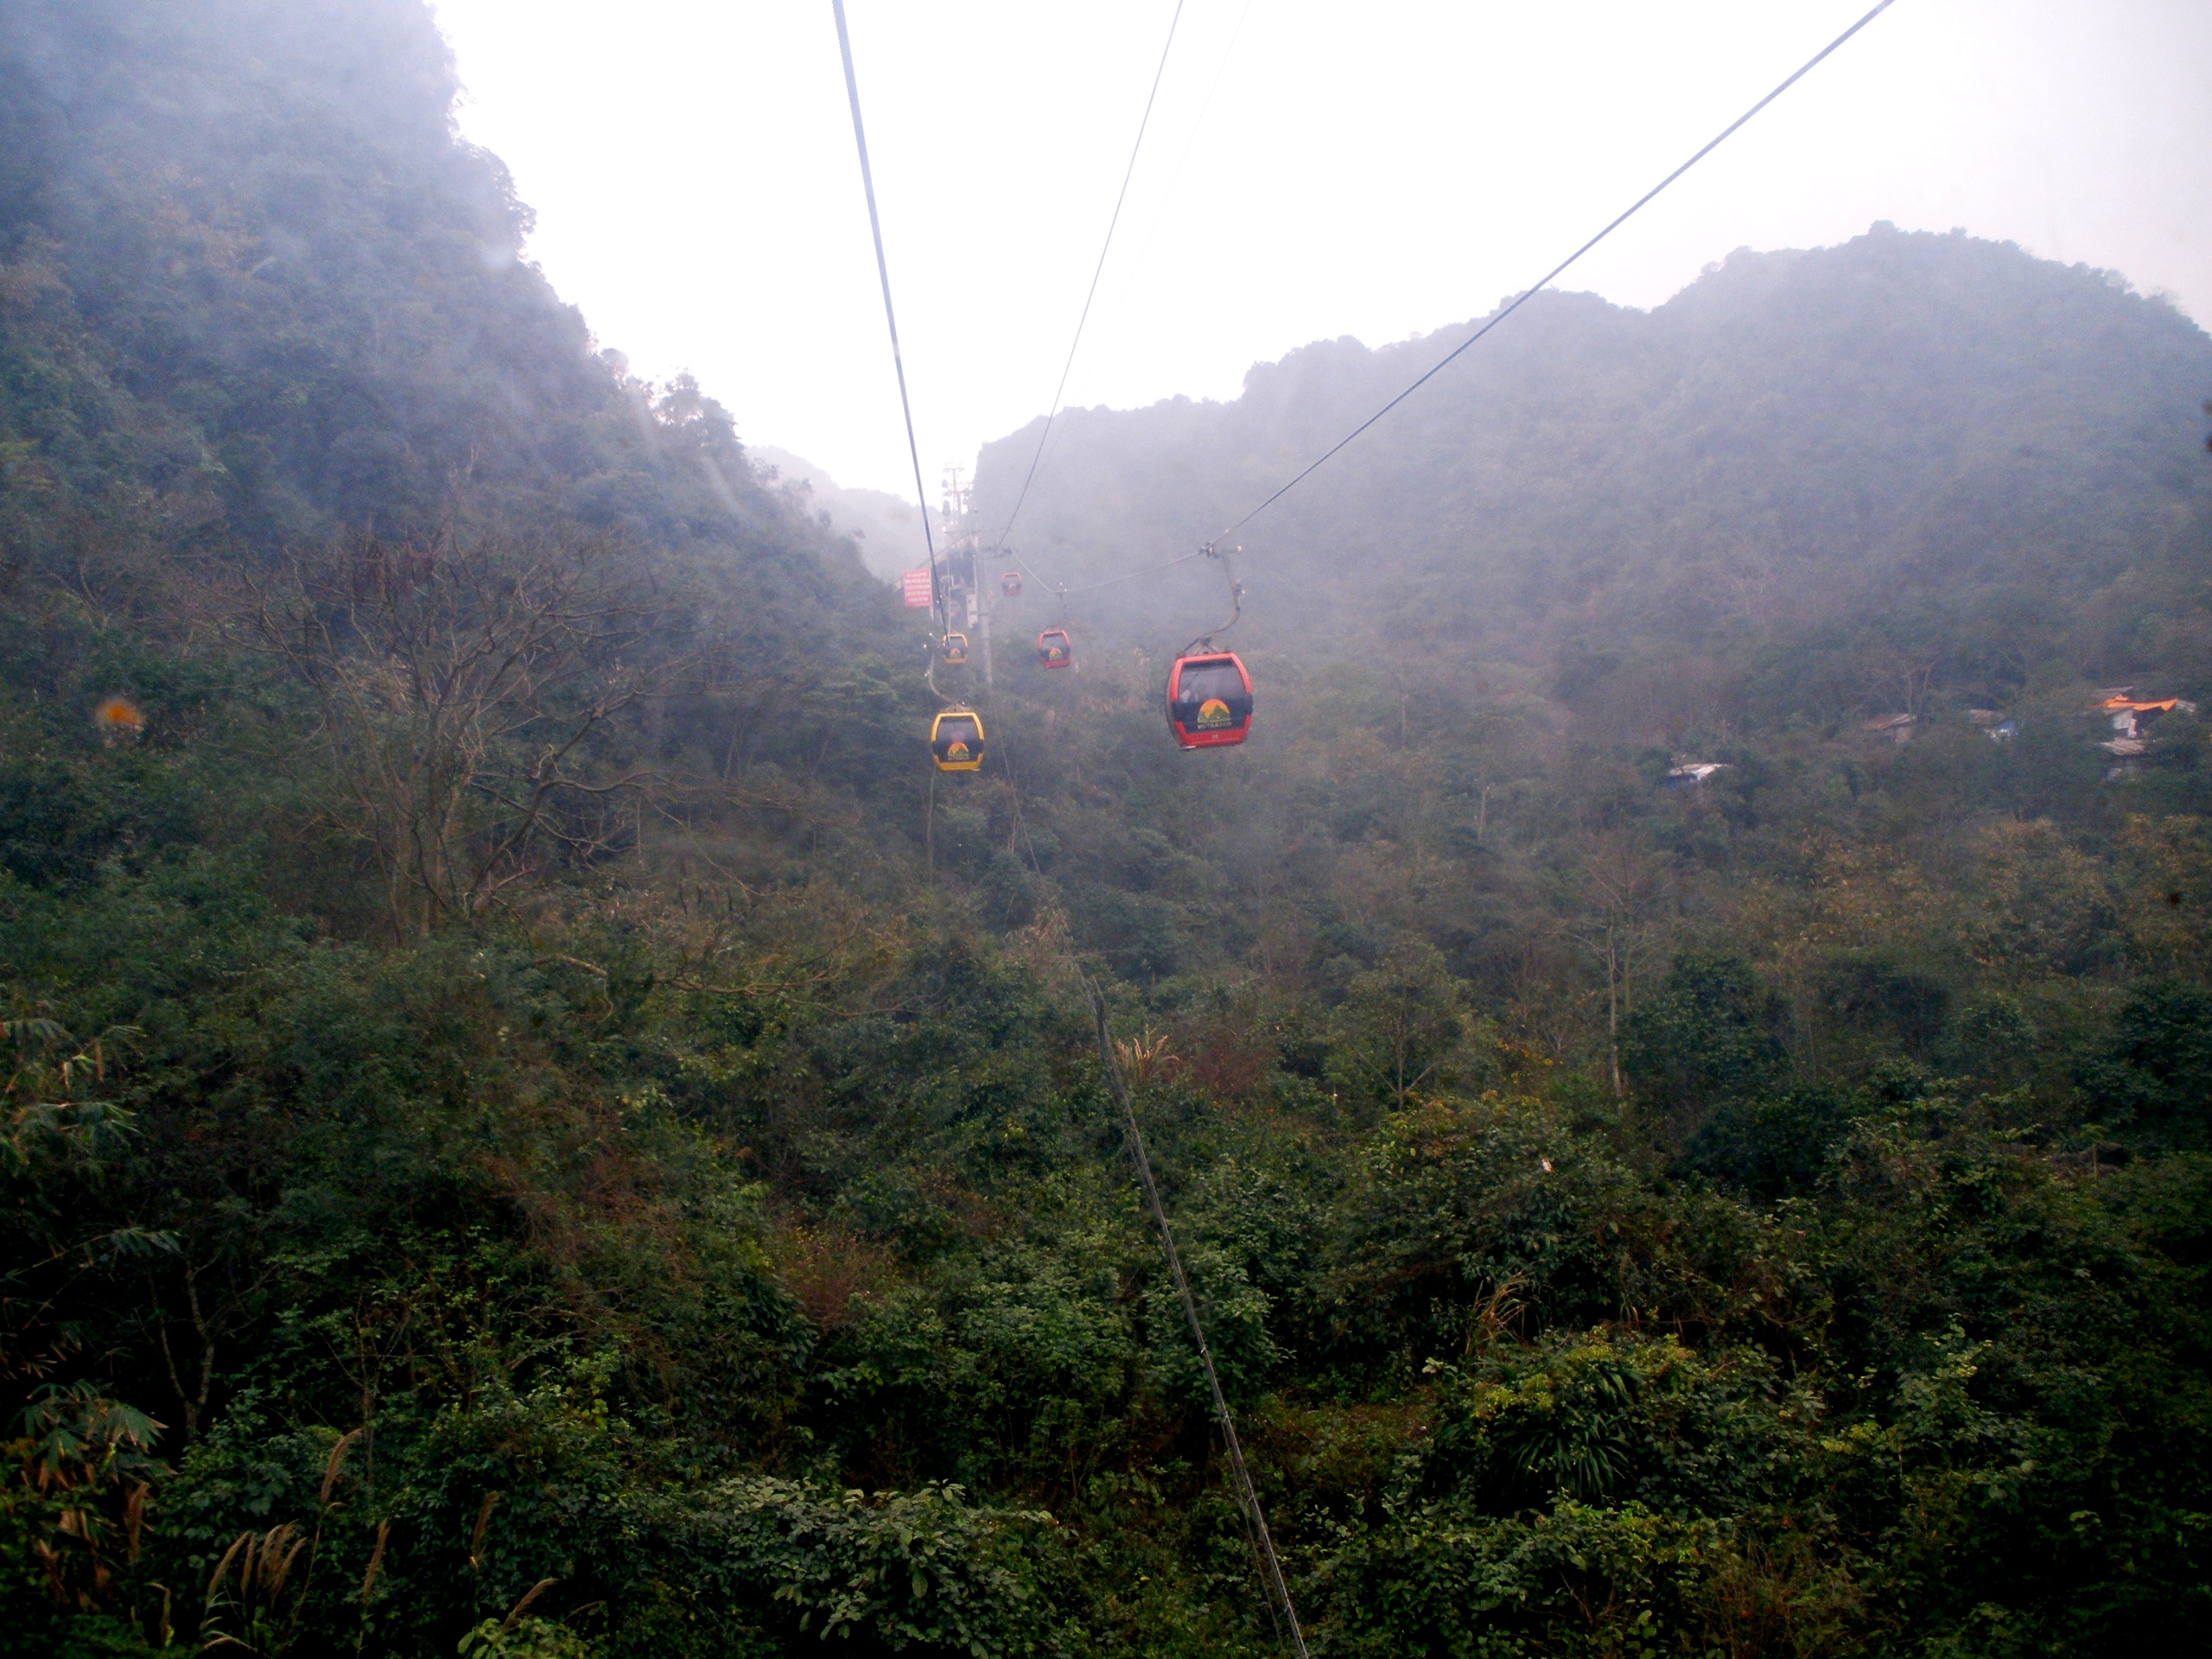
x=957, y=741
x=955, y=649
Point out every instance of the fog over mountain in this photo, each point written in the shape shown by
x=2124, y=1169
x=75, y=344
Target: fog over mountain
x=888, y=528
x=1910, y=442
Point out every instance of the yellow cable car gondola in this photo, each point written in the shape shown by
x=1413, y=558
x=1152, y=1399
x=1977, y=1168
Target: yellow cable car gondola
x=957, y=741
x=956, y=649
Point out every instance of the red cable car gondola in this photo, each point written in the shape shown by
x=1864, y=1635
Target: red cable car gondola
x=1010, y=584
x=1055, y=649
x=1210, y=700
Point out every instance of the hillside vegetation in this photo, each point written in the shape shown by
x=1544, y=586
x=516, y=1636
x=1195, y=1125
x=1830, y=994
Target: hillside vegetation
x=888, y=529
x=538, y=1125
x=1811, y=482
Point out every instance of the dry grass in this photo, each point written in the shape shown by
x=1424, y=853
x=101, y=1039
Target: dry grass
x=829, y=1271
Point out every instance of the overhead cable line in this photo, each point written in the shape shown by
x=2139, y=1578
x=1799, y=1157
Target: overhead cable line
x=1062, y=590
x=883, y=270
x=1197, y=127
x=1175, y=177
x=1131, y=575
x=1108, y=582
x=1128, y=173
x=1248, y=1497
x=1541, y=282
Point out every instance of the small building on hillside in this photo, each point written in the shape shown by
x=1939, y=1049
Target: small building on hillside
x=1690, y=774
x=1896, y=727
x=2133, y=719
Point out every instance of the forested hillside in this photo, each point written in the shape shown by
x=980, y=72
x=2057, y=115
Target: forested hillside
x=537, y=1124
x=887, y=528
x=1837, y=480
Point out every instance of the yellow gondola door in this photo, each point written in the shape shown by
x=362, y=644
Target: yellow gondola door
x=957, y=741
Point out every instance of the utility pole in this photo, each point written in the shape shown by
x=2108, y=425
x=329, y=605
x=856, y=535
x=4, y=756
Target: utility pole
x=960, y=532
x=982, y=607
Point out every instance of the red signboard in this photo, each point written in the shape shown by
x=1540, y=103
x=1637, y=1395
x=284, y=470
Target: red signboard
x=915, y=584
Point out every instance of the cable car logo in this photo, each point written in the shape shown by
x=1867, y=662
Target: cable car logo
x=1212, y=713
x=956, y=751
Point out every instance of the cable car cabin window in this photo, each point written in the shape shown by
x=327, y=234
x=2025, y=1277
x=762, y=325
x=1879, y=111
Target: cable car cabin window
x=1204, y=682
x=956, y=742
x=1211, y=701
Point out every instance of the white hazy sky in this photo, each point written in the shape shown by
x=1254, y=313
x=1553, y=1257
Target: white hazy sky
x=1375, y=169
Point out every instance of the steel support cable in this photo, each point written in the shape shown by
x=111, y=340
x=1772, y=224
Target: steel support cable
x=1106, y=581
x=1131, y=575
x=1050, y=586
x=1015, y=556
x=1128, y=173
x=1247, y=1499
x=883, y=271
x=1197, y=127
x=1542, y=281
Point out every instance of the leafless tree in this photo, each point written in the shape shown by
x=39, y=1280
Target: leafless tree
x=463, y=694
x=1616, y=920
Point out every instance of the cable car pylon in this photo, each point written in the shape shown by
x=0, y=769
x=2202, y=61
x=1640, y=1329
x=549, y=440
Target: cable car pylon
x=957, y=734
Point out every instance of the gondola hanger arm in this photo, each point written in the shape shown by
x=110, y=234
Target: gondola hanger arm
x=1214, y=551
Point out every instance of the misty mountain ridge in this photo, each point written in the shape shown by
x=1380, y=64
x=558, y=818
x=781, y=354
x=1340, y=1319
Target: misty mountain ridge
x=257, y=295
x=886, y=528
x=1907, y=426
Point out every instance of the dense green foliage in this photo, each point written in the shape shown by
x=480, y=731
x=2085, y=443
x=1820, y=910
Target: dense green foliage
x=534, y=1127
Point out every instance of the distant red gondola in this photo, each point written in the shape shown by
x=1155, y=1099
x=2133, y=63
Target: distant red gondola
x=1210, y=700
x=1055, y=649
x=1010, y=584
